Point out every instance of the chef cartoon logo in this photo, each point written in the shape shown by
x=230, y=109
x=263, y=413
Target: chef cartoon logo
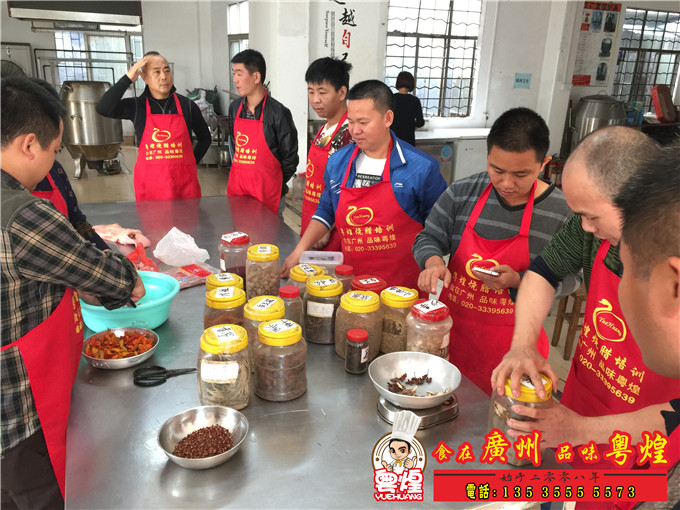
x=359, y=216
x=241, y=139
x=398, y=461
x=160, y=135
x=608, y=325
x=478, y=261
x=310, y=168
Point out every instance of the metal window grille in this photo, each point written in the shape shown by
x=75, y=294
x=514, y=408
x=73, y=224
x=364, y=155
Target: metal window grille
x=437, y=42
x=649, y=54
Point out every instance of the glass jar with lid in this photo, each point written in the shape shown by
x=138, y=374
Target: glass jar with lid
x=396, y=303
x=280, y=361
x=356, y=351
x=428, y=328
x=261, y=309
x=345, y=273
x=233, y=250
x=501, y=411
x=224, y=367
x=263, y=268
x=368, y=282
x=224, y=306
x=319, y=305
x=292, y=303
x=359, y=310
x=215, y=281
x=301, y=273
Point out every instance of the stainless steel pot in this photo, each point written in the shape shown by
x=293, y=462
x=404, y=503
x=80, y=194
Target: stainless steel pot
x=595, y=112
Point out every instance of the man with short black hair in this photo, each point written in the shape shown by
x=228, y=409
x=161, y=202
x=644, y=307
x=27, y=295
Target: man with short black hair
x=262, y=136
x=378, y=192
x=497, y=220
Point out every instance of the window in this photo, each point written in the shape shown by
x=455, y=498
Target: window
x=238, y=29
x=649, y=54
x=437, y=42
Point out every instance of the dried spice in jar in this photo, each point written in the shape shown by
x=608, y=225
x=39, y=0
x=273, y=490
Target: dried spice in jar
x=429, y=326
x=396, y=305
x=263, y=268
x=233, y=250
x=280, y=361
x=301, y=273
x=215, y=281
x=368, y=282
x=345, y=273
x=224, y=367
x=320, y=303
x=501, y=411
x=356, y=351
x=359, y=310
x=224, y=306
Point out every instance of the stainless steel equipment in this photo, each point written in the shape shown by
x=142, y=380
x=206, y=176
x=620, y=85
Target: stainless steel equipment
x=88, y=136
x=595, y=112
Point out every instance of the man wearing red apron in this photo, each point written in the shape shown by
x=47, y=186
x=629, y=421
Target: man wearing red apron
x=609, y=386
x=327, y=84
x=43, y=260
x=262, y=137
x=378, y=193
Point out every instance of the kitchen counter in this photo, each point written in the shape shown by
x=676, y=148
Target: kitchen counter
x=312, y=452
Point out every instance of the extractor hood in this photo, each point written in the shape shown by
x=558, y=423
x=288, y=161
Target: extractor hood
x=122, y=12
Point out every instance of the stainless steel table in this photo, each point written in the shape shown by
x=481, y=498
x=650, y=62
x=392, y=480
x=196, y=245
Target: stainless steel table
x=312, y=452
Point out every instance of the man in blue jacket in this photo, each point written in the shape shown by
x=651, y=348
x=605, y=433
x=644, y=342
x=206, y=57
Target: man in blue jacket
x=378, y=193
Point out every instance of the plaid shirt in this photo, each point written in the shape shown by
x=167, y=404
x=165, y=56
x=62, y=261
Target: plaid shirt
x=41, y=255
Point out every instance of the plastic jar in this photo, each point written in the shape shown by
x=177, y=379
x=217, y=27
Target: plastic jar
x=215, y=281
x=261, y=309
x=368, y=282
x=233, y=250
x=224, y=306
x=359, y=310
x=500, y=410
x=345, y=273
x=263, y=268
x=292, y=303
x=356, y=351
x=396, y=305
x=321, y=300
x=280, y=358
x=224, y=367
x=301, y=273
x=429, y=325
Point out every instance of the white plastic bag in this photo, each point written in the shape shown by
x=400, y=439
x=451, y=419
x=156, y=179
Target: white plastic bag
x=179, y=249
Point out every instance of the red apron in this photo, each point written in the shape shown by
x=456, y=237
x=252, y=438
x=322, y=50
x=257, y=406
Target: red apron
x=317, y=158
x=166, y=167
x=254, y=169
x=54, y=196
x=52, y=372
x=484, y=319
x=376, y=233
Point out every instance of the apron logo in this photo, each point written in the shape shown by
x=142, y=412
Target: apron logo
x=241, y=139
x=478, y=261
x=359, y=216
x=608, y=325
x=310, y=168
x=159, y=136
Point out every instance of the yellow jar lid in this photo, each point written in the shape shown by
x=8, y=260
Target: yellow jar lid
x=399, y=297
x=215, y=281
x=324, y=286
x=264, y=308
x=225, y=297
x=527, y=392
x=302, y=272
x=263, y=252
x=279, y=332
x=224, y=339
x=360, y=301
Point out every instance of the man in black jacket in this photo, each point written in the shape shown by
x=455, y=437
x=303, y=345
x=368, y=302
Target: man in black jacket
x=163, y=169
x=262, y=137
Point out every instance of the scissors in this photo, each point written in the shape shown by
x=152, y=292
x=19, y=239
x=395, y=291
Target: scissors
x=155, y=375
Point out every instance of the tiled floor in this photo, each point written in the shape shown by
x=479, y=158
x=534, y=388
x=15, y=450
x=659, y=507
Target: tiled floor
x=94, y=187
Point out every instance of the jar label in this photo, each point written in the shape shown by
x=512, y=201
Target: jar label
x=307, y=269
x=359, y=295
x=429, y=306
x=325, y=282
x=233, y=235
x=526, y=381
x=219, y=372
x=280, y=326
x=224, y=277
x=225, y=334
x=224, y=292
x=445, y=341
x=364, y=355
x=369, y=281
x=264, y=249
x=223, y=264
x=400, y=292
x=322, y=310
x=264, y=303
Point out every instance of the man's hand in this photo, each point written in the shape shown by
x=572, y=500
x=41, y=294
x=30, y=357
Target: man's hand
x=133, y=72
x=520, y=361
x=321, y=243
x=408, y=463
x=435, y=270
x=508, y=278
x=557, y=425
x=291, y=261
x=139, y=290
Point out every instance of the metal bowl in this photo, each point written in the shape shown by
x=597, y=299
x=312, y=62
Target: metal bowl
x=117, y=364
x=414, y=364
x=181, y=425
